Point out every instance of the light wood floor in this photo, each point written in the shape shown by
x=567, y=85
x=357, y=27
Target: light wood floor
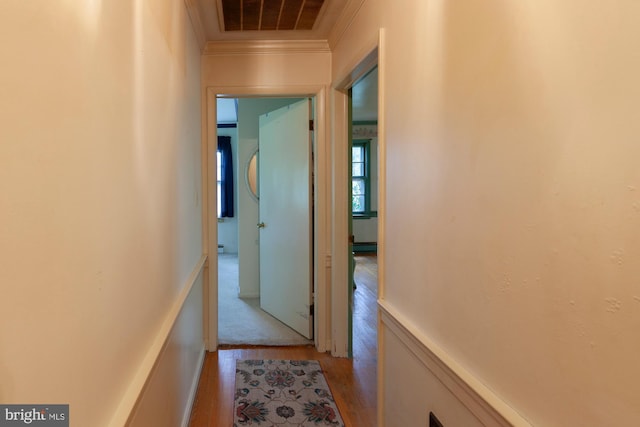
x=352, y=381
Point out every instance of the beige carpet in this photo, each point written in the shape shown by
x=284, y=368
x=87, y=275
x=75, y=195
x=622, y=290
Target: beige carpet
x=240, y=320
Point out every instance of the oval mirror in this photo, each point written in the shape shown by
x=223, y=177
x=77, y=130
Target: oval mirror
x=252, y=175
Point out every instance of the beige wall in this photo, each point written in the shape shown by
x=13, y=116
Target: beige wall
x=100, y=213
x=512, y=204
x=272, y=68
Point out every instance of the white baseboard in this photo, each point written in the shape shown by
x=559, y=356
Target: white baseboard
x=250, y=295
x=483, y=403
x=155, y=356
x=193, y=389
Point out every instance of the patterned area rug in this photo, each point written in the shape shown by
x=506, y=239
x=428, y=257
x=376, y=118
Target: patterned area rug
x=283, y=393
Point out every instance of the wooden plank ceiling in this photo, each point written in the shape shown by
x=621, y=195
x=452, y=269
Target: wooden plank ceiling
x=270, y=15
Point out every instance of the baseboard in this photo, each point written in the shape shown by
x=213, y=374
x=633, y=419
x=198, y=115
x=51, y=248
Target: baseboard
x=365, y=247
x=484, y=404
x=138, y=387
x=249, y=295
x=193, y=389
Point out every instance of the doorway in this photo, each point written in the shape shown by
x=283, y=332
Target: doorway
x=363, y=212
x=220, y=265
x=249, y=307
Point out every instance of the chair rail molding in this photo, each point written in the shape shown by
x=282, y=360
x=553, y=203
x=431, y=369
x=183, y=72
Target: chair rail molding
x=483, y=403
x=136, y=389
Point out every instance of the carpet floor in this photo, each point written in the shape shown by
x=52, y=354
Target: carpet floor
x=283, y=393
x=241, y=320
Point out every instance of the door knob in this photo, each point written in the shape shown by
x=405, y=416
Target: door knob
x=261, y=225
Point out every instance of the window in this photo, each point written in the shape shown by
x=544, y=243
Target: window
x=225, y=177
x=219, y=162
x=360, y=192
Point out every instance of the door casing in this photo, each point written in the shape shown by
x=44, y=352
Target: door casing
x=330, y=226
x=341, y=272
x=323, y=312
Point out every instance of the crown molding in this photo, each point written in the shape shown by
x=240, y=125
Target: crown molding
x=349, y=12
x=243, y=47
x=196, y=22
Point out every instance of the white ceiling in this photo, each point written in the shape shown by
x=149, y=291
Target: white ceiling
x=227, y=110
x=364, y=97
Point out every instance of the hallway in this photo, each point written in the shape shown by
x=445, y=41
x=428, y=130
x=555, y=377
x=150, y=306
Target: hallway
x=352, y=381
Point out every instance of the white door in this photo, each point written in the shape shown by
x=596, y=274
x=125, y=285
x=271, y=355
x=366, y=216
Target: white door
x=285, y=216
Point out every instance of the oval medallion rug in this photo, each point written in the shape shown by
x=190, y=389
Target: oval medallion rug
x=283, y=393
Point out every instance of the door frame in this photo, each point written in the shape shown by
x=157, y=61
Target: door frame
x=321, y=206
x=342, y=207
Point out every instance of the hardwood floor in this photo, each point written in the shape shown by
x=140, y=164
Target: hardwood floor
x=353, y=382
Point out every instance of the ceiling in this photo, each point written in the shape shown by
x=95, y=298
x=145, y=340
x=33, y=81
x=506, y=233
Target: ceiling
x=364, y=98
x=268, y=19
x=269, y=15
x=227, y=110
x=262, y=20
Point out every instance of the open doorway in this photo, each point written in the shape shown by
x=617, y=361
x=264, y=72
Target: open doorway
x=322, y=306
x=363, y=212
x=241, y=319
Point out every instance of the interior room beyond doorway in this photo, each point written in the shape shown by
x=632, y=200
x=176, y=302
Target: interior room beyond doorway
x=240, y=319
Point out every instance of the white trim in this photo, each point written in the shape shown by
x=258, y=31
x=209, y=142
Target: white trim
x=321, y=204
x=344, y=21
x=193, y=390
x=321, y=226
x=136, y=387
x=248, y=295
x=209, y=173
x=220, y=15
x=206, y=206
x=382, y=206
x=488, y=407
x=366, y=64
x=250, y=47
x=340, y=229
x=196, y=23
x=341, y=206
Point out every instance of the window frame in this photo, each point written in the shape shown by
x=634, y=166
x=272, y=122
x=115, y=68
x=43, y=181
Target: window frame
x=366, y=144
x=219, y=183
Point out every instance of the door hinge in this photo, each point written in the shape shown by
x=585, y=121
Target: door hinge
x=311, y=125
x=311, y=307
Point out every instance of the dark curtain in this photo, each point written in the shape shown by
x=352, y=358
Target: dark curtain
x=226, y=184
